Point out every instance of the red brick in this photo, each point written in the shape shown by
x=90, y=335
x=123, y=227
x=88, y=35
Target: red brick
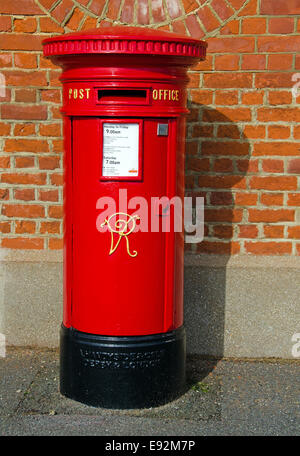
x=222, y=182
x=4, y=194
x=223, y=231
x=25, y=226
x=55, y=212
x=113, y=9
x=272, y=199
x=273, y=166
x=28, y=78
x=4, y=129
x=229, y=248
x=250, y=9
x=276, y=148
x=22, y=210
x=26, y=145
x=4, y=227
x=190, y=5
x=208, y=19
x=245, y=199
x=254, y=62
x=254, y=131
x=4, y=162
x=24, y=179
x=49, y=162
x=63, y=9
x=75, y=19
x=227, y=62
x=50, y=129
x=228, y=131
x=24, y=162
x=198, y=164
x=247, y=166
x=50, y=227
x=223, y=165
x=254, y=26
x=228, y=80
x=293, y=199
x=174, y=8
x=274, y=231
x=58, y=146
x=294, y=232
x=272, y=80
x=48, y=4
x=248, y=231
x=21, y=7
x=191, y=148
x=223, y=215
x=25, y=95
x=127, y=11
x=56, y=244
x=224, y=148
x=5, y=24
x=221, y=198
x=252, y=97
x=51, y=95
x=271, y=215
x=24, y=194
x=294, y=166
x=282, y=25
x=143, y=12
x=89, y=23
x=237, y=4
x=268, y=248
x=56, y=179
x=231, y=45
x=226, y=115
x=18, y=42
x=47, y=25
x=280, y=97
x=277, y=114
x=48, y=195
x=226, y=97
x=222, y=9
x=5, y=60
x=231, y=28
x=201, y=96
x=23, y=243
x=274, y=183
x=194, y=26
x=278, y=43
x=280, y=7
x=280, y=62
x=28, y=112
x=25, y=25
x=24, y=129
x=279, y=132
x=97, y=7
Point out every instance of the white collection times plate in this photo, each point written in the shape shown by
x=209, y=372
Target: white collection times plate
x=120, y=150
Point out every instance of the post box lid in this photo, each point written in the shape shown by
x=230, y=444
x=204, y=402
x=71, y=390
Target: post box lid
x=125, y=40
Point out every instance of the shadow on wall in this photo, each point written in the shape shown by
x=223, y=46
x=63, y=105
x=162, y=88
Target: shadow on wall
x=216, y=164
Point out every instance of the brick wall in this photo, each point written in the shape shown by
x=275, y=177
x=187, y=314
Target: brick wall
x=242, y=137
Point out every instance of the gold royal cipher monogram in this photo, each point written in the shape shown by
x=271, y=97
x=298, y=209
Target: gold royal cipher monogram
x=122, y=227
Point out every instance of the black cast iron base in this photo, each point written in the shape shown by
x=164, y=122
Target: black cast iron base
x=122, y=372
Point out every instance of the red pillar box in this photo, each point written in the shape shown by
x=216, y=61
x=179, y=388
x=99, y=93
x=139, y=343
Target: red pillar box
x=124, y=107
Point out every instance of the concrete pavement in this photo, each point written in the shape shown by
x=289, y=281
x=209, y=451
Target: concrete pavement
x=225, y=397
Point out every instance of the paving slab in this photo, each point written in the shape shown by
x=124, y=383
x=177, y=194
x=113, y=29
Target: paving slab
x=222, y=397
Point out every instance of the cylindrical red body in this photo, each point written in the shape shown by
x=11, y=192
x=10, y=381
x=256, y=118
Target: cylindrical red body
x=124, y=106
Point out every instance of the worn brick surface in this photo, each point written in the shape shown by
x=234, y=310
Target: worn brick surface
x=243, y=137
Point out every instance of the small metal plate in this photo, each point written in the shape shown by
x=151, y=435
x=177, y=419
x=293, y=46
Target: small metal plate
x=162, y=129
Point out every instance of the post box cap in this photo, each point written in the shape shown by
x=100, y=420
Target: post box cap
x=125, y=40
